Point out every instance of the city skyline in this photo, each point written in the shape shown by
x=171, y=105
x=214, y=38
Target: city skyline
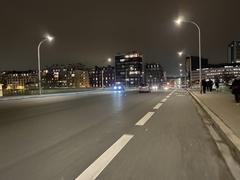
x=90, y=33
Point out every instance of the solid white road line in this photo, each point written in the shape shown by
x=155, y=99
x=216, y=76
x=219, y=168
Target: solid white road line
x=144, y=119
x=93, y=171
x=158, y=106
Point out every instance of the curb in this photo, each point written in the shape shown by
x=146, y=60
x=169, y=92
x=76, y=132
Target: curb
x=226, y=133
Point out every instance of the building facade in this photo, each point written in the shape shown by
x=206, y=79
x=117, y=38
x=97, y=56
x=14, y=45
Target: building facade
x=234, y=52
x=153, y=74
x=129, y=69
x=226, y=73
x=192, y=66
x=19, y=80
x=102, y=76
x=70, y=75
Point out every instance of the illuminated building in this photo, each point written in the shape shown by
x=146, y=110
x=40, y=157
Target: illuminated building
x=234, y=52
x=107, y=74
x=129, y=69
x=154, y=74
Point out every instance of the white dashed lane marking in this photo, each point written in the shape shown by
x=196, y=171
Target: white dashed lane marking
x=93, y=171
x=164, y=100
x=144, y=119
x=158, y=106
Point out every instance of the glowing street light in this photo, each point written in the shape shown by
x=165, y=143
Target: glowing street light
x=179, y=21
x=109, y=60
x=49, y=39
x=180, y=53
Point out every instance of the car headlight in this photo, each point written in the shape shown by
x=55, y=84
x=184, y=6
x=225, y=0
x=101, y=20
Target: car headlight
x=115, y=87
x=119, y=87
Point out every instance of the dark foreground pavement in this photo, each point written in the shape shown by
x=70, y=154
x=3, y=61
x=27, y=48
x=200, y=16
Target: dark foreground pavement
x=59, y=138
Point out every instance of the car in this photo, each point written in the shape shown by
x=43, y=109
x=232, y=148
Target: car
x=118, y=87
x=143, y=88
x=154, y=88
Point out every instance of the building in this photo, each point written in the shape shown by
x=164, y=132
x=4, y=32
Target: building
x=224, y=72
x=19, y=80
x=129, y=69
x=80, y=79
x=102, y=76
x=70, y=75
x=234, y=52
x=192, y=64
x=154, y=74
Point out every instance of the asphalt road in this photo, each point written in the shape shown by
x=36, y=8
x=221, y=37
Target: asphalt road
x=61, y=137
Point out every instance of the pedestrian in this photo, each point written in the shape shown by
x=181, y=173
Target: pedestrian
x=207, y=85
x=210, y=85
x=217, y=84
x=236, y=89
x=204, y=85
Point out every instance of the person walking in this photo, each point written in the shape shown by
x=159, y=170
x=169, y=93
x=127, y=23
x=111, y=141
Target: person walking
x=236, y=89
x=217, y=84
x=204, y=86
x=210, y=85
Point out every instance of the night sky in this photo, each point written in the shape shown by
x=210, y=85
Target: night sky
x=90, y=31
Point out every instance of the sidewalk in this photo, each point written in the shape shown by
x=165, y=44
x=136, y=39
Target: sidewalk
x=225, y=107
x=225, y=113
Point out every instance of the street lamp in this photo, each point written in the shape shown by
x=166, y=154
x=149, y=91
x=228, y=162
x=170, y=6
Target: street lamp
x=180, y=53
x=179, y=21
x=49, y=39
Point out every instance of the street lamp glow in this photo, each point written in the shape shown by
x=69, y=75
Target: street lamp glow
x=180, y=64
x=49, y=38
x=179, y=21
x=180, y=53
x=109, y=60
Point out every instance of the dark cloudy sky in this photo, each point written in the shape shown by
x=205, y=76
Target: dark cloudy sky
x=90, y=31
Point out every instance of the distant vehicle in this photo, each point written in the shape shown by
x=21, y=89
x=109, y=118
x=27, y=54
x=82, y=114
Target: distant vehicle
x=143, y=88
x=154, y=88
x=118, y=87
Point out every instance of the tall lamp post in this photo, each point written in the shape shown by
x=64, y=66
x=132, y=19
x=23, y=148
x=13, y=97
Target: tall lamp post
x=178, y=22
x=47, y=38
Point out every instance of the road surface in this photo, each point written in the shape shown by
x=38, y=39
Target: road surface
x=107, y=136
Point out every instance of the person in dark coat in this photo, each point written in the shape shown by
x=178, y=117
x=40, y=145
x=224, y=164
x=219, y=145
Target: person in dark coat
x=204, y=85
x=217, y=84
x=236, y=89
x=210, y=85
